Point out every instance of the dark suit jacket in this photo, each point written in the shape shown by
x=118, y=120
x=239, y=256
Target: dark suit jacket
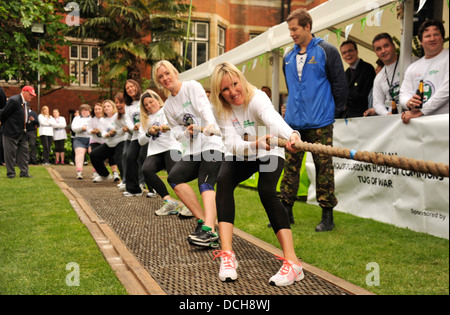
x=2, y=98
x=360, y=85
x=13, y=118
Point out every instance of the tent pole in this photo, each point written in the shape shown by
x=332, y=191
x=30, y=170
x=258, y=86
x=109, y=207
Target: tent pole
x=407, y=35
x=276, y=79
x=187, y=35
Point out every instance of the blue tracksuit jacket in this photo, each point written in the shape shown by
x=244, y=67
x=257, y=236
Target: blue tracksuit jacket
x=320, y=97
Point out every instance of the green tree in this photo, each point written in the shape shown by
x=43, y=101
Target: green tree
x=131, y=33
x=18, y=45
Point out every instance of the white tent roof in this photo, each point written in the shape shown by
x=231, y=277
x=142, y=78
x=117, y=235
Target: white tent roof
x=324, y=16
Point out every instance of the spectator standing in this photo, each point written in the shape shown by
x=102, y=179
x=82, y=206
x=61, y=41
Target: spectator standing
x=317, y=92
x=59, y=136
x=360, y=76
x=433, y=70
x=14, y=120
x=386, y=87
x=32, y=127
x=2, y=105
x=46, y=123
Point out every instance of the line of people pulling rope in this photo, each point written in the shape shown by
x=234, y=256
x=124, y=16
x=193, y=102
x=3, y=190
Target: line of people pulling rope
x=180, y=136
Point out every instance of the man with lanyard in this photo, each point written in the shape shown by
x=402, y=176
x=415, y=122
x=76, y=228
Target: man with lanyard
x=14, y=126
x=386, y=87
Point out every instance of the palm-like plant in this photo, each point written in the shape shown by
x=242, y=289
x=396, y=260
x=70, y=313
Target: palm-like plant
x=131, y=33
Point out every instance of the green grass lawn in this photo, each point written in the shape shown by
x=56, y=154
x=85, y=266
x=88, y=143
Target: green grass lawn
x=408, y=262
x=40, y=235
x=43, y=243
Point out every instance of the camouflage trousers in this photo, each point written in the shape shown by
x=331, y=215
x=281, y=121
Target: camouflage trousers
x=324, y=170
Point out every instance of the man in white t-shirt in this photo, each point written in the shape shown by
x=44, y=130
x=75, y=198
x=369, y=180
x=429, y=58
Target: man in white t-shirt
x=386, y=87
x=433, y=69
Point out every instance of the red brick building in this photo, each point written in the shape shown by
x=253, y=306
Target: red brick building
x=218, y=26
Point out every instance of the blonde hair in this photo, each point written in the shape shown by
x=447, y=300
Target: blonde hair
x=42, y=110
x=113, y=105
x=170, y=67
x=144, y=114
x=223, y=108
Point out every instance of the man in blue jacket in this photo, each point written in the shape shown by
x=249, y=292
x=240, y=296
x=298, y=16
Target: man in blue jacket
x=317, y=94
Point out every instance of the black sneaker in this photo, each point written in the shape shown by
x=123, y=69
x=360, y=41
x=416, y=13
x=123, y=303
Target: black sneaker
x=206, y=238
x=198, y=228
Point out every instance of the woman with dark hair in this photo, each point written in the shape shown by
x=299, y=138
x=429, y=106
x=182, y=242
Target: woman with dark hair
x=135, y=154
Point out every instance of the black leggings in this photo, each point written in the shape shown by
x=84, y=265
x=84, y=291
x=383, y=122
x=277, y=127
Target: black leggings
x=156, y=163
x=234, y=172
x=204, y=167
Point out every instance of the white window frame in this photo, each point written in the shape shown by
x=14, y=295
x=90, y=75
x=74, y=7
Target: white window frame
x=84, y=76
x=195, y=41
x=221, y=40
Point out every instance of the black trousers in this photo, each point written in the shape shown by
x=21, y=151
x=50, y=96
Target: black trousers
x=46, y=145
x=136, y=155
x=103, y=152
x=234, y=172
x=156, y=163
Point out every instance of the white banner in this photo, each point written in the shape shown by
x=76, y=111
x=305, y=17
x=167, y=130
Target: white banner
x=403, y=198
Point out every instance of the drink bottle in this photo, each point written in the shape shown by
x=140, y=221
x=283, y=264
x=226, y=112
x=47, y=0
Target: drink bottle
x=420, y=93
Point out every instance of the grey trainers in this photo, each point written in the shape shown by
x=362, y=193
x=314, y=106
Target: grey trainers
x=168, y=208
x=185, y=212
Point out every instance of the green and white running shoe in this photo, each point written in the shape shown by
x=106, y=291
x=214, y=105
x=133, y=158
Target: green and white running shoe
x=206, y=238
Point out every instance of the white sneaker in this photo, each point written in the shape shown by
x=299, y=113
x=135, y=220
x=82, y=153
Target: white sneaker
x=128, y=194
x=228, y=265
x=116, y=177
x=94, y=175
x=152, y=194
x=99, y=178
x=168, y=208
x=122, y=186
x=288, y=273
x=79, y=175
x=185, y=212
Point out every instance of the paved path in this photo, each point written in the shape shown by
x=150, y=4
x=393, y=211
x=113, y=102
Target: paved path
x=151, y=255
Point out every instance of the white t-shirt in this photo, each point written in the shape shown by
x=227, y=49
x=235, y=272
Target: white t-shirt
x=59, y=128
x=258, y=119
x=77, y=126
x=45, y=125
x=191, y=105
x=163, y=141
x=110, y=123
x=382, y=99
x=133, y=112
x=94, y=123
x=434, y=73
